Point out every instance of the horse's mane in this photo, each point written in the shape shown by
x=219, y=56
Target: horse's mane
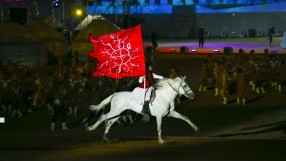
x=161, y=82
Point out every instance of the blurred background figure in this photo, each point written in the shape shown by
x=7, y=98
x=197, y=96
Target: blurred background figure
x=201, y=35
x=283, y=43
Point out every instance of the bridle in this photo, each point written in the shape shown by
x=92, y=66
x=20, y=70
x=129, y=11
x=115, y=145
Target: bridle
x=177, y=90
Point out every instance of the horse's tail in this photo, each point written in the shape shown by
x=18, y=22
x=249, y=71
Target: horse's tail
x=102, y=104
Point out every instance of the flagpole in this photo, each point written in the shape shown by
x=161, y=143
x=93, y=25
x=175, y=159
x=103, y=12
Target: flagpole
x=144, y=80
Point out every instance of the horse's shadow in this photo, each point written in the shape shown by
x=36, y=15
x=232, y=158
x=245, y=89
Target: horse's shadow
x=145, y=139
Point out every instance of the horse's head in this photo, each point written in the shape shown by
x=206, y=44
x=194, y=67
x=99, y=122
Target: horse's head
x=184, y=88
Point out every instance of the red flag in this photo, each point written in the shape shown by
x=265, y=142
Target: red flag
x=119, y=54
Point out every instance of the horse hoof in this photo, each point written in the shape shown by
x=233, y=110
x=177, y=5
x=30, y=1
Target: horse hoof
x=162, y=142
x=89, y=128
x=106, y=140
x=197, y=130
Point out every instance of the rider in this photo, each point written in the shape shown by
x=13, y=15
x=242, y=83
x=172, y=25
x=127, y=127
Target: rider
x=148, y=87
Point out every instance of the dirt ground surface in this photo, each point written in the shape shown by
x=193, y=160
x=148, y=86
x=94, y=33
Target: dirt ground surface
x=254, y=132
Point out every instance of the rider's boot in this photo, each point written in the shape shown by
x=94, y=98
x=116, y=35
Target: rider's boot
x=145, y=108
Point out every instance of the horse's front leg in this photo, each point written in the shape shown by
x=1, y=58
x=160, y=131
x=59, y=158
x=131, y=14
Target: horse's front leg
x=159, y=129
x=185, y=118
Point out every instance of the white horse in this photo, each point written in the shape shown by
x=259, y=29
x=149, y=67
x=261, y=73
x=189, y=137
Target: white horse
x=163, y=105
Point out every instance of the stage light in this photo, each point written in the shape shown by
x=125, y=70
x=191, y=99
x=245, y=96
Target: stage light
x=56, y=3
x=194, y=50
x=260, y=33
x=274, y=51
x=78, y=12
x=207, y=34
x=216, y=51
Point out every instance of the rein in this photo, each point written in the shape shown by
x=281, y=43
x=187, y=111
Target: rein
x=177, y=90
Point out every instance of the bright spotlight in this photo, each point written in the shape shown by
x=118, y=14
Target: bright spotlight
x=78, y=12
x=216, y=51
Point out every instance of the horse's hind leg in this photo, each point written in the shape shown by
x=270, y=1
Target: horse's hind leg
x=99, y=121
x=185, y=118
x=111, y=115
x=107, y=128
